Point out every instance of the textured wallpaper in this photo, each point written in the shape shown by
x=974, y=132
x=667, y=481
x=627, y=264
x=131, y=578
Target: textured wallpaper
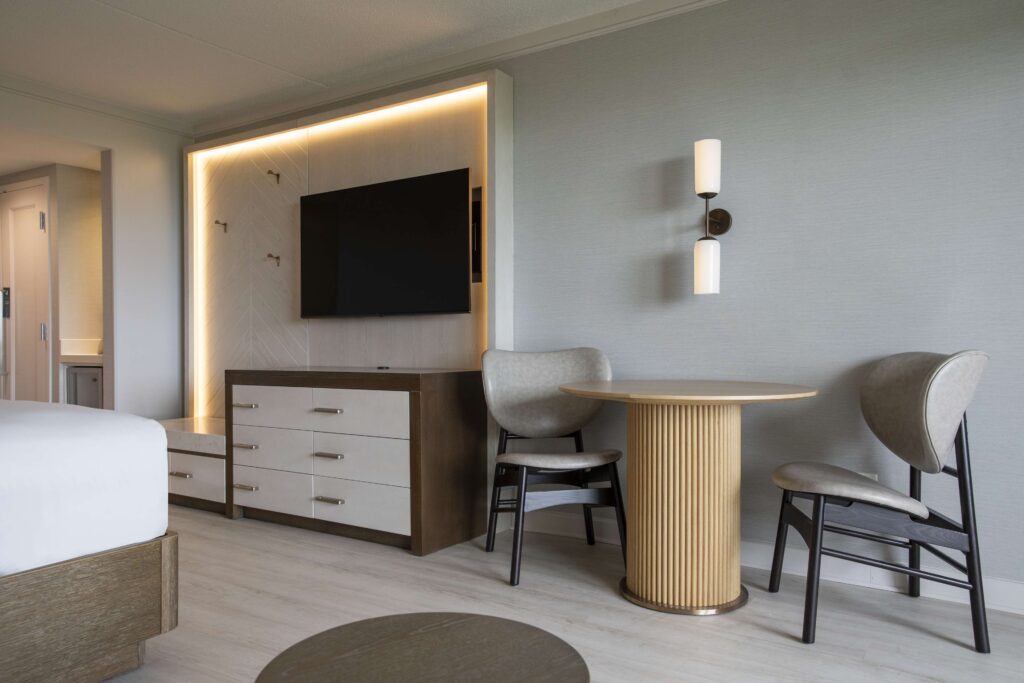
x=872, y=162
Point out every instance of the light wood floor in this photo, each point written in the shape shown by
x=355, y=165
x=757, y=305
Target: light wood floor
x=248, y=590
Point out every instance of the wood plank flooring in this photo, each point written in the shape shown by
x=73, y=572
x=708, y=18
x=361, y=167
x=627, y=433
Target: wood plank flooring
x=248, y=590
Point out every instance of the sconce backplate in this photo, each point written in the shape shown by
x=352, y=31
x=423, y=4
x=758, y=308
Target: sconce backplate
x=719, y=222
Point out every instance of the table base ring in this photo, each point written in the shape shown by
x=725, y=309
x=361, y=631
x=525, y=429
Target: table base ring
x=692, y=611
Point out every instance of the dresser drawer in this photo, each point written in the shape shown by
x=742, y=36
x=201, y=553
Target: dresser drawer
x=274, y=490
x=360, y=411
x=364, y=458
x=258, y=406
x=371, y=506
x=276, y=449
x=196, y=476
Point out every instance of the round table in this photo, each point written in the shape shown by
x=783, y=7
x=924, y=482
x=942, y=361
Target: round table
x=429, y=646
x=683, y=488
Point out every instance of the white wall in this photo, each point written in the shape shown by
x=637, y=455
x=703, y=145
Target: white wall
x=146, y=244
x=872, y=164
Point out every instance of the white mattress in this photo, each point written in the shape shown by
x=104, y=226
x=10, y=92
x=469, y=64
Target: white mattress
x=75, y=481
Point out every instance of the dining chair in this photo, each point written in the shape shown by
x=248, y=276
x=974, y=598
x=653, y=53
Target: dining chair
x=521, y=390
x=915, y=403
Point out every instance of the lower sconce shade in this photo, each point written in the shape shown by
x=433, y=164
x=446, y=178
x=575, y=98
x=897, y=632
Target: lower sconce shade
x=706, y=266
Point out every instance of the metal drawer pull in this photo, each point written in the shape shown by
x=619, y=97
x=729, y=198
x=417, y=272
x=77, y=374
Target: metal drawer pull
x=329, y=456
x=247, y=446
x=331, y=411
x=332, y=501
x=247, y=487
x=183, y=475
x=245, y=405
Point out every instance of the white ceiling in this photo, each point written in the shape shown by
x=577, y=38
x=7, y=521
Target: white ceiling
x=22, y=150
x=204, y=63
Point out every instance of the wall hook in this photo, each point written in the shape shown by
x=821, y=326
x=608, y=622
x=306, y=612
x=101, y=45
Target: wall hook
x=221, y=223
x=276, y=175
x=276, y=258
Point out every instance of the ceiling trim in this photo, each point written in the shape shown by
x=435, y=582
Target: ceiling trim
x=38, y=91
x=610, y=21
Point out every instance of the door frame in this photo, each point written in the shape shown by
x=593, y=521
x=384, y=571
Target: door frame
x=44, y=177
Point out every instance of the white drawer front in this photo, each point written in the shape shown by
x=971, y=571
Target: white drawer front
x=277, y=491
x=277, y=449
x=370, y=413
x=365, y=458
x=259, y=406
x=196, y=476
x=371, y=506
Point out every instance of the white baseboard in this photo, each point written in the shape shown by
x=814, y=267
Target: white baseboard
x=1006, y=595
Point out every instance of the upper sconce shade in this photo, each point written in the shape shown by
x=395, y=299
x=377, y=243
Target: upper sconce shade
x=707, y=167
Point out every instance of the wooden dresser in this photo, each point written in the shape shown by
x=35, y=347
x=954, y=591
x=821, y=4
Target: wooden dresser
x=395, y=456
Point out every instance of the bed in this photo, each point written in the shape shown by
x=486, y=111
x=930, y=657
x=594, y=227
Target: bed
x=88, y=570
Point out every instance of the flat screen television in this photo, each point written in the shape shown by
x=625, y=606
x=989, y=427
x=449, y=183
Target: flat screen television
x=395, y=248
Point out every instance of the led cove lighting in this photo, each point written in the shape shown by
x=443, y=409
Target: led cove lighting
x=199, y=334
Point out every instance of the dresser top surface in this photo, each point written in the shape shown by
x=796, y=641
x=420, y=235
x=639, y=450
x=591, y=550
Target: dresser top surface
x=379, y=370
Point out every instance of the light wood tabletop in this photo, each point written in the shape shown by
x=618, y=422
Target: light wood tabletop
x=683, y=487
x=688, y=391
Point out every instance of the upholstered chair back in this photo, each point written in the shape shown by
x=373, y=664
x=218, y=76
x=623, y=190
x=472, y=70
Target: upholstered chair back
x=521, y=389
x=914, y=403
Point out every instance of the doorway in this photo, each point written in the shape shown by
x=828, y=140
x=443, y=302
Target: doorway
x=25, y=337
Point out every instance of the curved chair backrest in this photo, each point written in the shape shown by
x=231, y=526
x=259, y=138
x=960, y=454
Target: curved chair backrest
x=914, y=403
x=521, y=389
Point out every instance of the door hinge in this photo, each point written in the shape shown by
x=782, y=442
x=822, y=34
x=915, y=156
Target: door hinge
x=42, y=221
x=42, y=331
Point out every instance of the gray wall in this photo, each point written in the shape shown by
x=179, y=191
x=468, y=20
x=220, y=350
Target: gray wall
x=873, y=166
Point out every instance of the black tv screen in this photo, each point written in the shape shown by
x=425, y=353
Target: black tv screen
x=395, y=248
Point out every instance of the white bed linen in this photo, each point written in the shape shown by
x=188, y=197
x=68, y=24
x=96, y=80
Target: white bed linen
x=75, y=481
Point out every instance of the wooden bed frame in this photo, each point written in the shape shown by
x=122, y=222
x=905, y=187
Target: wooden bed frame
x=88, y=619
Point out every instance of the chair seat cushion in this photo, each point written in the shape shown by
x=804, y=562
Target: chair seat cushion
x=829, y=480
x=560, y=461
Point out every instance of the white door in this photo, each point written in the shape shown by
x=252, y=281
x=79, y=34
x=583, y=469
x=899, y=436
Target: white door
x=25, y=271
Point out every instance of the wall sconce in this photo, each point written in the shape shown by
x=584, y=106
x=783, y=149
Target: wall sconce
x=707, y=177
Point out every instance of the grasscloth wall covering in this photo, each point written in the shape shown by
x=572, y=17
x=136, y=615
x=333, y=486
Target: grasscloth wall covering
x=873, y=163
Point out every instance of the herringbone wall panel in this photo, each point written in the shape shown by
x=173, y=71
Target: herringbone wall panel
x=251, y=317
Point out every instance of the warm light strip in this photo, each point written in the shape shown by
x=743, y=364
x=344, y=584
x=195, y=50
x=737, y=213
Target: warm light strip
x=198, y=289
x=200, y=342
x=389, y=111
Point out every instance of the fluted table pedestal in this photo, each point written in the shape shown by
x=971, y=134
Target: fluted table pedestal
x=683, y=488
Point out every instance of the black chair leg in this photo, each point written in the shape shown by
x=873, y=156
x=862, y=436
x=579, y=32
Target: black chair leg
x=814, y=569
x=588, y=512
x=973, y=555
x=978, y=618
x=588, y=521
x=620, y=508
x=914, y=582
x=492, y=522
x=780, y=544
x=517, y=538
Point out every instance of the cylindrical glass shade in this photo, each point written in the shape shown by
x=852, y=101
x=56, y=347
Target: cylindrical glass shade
x=707, y=166
x=706, y=266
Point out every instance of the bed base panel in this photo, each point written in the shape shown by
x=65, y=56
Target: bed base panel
x=87, y=619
